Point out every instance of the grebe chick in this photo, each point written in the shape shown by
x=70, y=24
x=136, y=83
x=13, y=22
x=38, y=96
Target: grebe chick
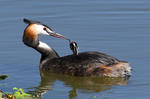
x=84, y=64
x=74, y=47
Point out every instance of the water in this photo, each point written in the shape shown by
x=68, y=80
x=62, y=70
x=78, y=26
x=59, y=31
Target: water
x=118, y=28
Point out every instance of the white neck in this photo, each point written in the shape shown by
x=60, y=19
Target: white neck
x=46, y=50
x=45, y=46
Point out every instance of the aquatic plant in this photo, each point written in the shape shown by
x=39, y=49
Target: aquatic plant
x=18, y=93
x=2, y=77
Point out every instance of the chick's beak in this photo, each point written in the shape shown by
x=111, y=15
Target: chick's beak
x=54, y=34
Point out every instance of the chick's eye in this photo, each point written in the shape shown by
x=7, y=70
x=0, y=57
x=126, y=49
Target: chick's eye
x=44, y=28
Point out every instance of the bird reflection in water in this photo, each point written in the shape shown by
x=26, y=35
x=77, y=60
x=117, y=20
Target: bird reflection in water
x=86, y=84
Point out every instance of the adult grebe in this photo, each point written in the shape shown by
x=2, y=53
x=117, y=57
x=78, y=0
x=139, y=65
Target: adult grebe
x=78, y=64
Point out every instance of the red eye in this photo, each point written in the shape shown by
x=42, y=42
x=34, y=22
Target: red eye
x=44, y=28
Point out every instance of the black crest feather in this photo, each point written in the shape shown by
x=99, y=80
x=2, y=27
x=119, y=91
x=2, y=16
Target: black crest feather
x=31, y=21
x=34, y=22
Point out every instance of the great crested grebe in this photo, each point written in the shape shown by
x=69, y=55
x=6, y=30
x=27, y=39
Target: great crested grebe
x=79, y=64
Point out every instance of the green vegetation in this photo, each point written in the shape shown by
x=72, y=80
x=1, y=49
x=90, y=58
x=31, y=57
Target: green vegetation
x=16, y=94
x=19, y=93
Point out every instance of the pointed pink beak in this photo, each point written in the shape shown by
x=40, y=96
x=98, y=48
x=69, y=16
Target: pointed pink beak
x=57, y=35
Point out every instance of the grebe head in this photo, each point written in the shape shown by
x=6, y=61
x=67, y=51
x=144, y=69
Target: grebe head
x=36, y=28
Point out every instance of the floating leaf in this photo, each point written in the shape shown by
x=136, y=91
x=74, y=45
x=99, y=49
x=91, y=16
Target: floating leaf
x=3, y=77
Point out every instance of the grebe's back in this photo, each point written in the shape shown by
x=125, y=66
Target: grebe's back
x=88, y=64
